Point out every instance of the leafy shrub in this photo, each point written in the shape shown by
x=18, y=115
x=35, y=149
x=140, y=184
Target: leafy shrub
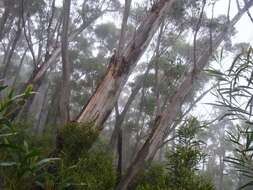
x=154, y=178
x=86, y=167
x=77, y=139
x=181, y=166
x=21, y=166
x=242, y=160
x=95, y=171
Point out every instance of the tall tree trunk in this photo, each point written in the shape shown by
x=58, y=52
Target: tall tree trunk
x=103, y=100
x=65, y=83
x=169, y=115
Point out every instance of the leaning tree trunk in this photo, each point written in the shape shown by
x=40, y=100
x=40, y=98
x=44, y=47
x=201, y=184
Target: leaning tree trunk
x=39, y=74
x=169, y=115
x=103, y=100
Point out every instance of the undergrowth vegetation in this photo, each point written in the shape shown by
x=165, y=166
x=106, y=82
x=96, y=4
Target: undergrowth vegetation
x=74, y=161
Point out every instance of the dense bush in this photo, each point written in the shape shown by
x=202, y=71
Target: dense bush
x=76, y=139
x=21, y=166
x=181, y=165
x=23, y=157
x=81, y=164
x=153, y=178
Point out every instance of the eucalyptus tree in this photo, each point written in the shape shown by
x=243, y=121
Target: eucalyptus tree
x=169, y=114
x=66, y=66
x=103, y=100
x=44, y=44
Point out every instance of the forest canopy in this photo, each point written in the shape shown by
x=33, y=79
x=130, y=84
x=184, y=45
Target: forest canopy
x=126, y=94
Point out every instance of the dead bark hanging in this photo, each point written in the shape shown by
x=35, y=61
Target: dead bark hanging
x=169, y=115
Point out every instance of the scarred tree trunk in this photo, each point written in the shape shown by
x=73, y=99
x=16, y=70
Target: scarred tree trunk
x=169, y=115
x=103, y=100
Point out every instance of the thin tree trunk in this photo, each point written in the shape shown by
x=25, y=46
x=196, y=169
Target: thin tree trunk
x=103, y=100
x=124, y=27
x=3, y=22
x=222, y=166
x=39, y=74
x=7, y=60
x=120, y=153
x=43, y=113
x=120, y=118
x=157, y=77
x=19, y=69
x=52, y=112
x=169, y=115
x=65, y=83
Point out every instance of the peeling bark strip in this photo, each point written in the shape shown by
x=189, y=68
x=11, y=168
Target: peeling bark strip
x=169, y=115
x=108, y=91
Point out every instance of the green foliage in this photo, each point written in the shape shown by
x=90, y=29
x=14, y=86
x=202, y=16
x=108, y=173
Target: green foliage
x=182, y=162
x=21, y=166
x=92, y=167
x=181, y=166
x=107, y=33
x=95, y=170
x=235, y=96
x=154, y=178
x=22, y=163
x=77, y=139
x=235, y=88
x=242, y=161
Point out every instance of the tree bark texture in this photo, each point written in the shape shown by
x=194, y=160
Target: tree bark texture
x=103, y=100
x=65, y=83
